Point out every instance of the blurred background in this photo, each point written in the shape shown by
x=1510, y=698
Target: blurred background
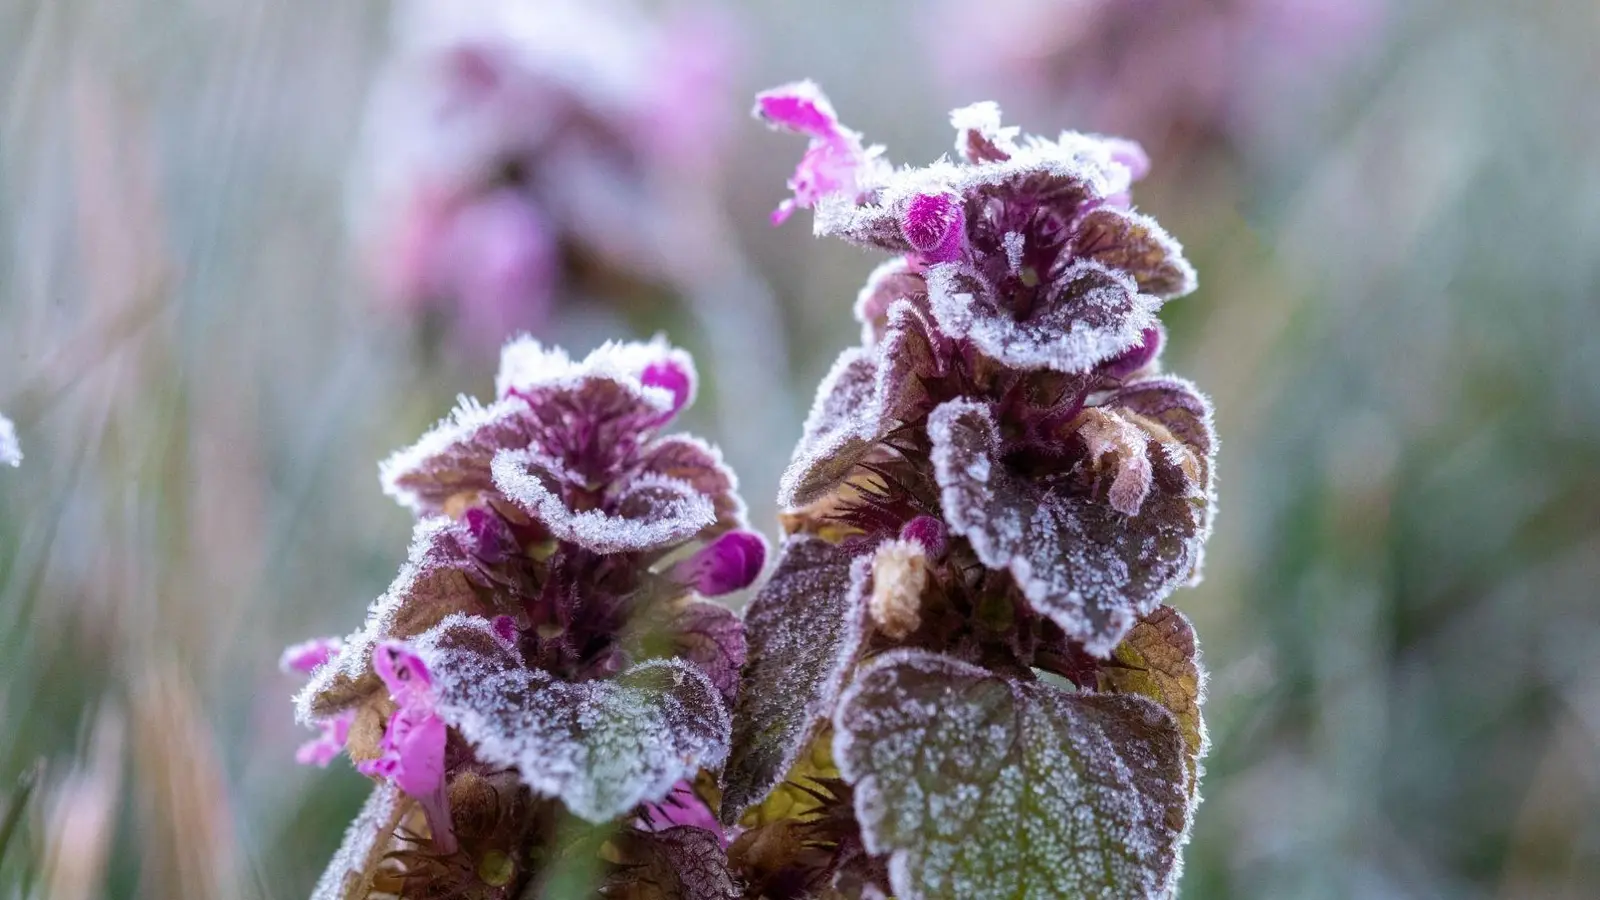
x=248, y=248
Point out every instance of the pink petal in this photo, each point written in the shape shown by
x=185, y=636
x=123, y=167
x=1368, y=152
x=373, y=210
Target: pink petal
x=306, y=656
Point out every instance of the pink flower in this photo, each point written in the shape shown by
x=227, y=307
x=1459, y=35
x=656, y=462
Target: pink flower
x=306, y=656
x=682, y=807
x=321, y=750
x=835, y=161
x=413, y=745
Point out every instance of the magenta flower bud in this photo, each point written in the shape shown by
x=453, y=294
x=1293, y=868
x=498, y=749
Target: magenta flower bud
x=505, y=629
x=726, y=564
x=306, y=656
x=1135, y=359
x=934, y=225
x=929, y=532
x=667, y=374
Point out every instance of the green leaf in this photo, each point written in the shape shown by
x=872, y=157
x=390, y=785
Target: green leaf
x=1159, y=659
x=988, y=788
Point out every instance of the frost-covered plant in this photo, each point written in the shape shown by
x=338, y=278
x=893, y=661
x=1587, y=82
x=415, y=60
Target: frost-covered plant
x=542, y=691
x=504, y=156
x=963, y=681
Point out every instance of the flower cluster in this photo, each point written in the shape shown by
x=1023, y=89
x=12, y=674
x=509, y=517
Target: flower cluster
x=503, y=157
x=544, y=662
x=963, y=681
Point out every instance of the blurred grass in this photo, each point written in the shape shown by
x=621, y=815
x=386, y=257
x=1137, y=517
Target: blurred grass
x=1396, y=320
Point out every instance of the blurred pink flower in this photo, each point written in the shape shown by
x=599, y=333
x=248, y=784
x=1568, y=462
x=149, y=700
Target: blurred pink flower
x=505, y=138
x=323, y=749
x=1154, y=68
x=306, y=656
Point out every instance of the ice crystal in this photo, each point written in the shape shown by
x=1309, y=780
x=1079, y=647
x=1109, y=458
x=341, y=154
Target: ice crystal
x=978, y=786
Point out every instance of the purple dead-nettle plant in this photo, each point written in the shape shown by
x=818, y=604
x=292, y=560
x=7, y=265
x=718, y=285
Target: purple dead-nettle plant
x=963, y=679
x=543, y=689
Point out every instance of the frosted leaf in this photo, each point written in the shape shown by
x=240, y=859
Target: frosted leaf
x=454, y=456
x=1160, y=659
x=1134, y=244
x=842, y=427
x=711, y=637
x=350, y=874
x=601, y=747
x=680, y=863
x=433, y=584
x=911, y=354
x=979, y=786
x=649, y=512
x=698, y=464
x=1092, y=569
x=1176, y=405
x=1087, y=315
x=894, y=279
x=527, y=365
x=979, y=135
x=10, y=449
x=804, y=629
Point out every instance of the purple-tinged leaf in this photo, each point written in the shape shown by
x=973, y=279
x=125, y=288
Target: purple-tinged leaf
x=1138, y=247
x=1176, y=405
x=601, y=747
x=804, y=630
x=979, y=786
x=1092, y=569
x=842, y=428
x=354, y=867
x=666, y=374
x=434, y=583
x=711, y=637
x=681, y=863
x=454, y=456
x=693, y=461
x=895, y=279
x=1085, y=316
x=651, y=511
